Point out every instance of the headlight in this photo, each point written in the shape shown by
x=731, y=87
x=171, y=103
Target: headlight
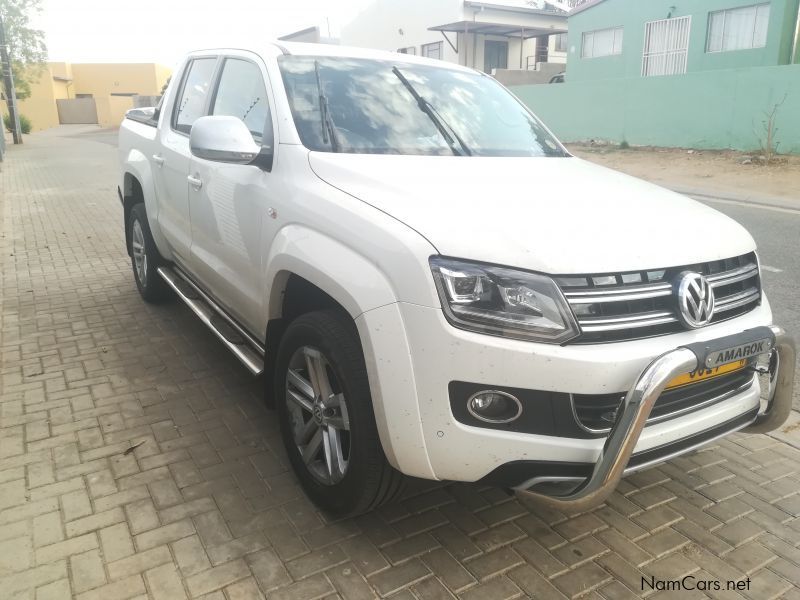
x=503, y=302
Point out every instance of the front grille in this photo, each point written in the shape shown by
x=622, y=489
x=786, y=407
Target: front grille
x=614, y=307
x=596, y=412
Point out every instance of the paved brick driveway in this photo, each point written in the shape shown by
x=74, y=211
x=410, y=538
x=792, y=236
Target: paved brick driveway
x=205, y=506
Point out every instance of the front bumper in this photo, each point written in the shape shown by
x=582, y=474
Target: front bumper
x=624, y=436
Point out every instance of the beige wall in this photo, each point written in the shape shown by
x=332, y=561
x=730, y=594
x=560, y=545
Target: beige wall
x=107, y=79
x=65, y=80
x=111, y=109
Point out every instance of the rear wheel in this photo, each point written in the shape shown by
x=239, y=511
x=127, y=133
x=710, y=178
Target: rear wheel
x=145, y=258
x=327, y=422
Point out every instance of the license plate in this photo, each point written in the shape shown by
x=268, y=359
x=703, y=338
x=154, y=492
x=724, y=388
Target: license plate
x=703, y=373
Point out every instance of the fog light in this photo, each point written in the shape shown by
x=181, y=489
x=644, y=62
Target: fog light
x=493, y=406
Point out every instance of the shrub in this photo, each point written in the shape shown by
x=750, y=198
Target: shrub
x=24, y=123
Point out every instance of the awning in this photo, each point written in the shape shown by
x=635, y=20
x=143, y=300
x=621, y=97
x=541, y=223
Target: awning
x=501, y=29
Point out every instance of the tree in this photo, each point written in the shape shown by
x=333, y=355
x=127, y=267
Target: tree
x=166, y=84
x=26, y=47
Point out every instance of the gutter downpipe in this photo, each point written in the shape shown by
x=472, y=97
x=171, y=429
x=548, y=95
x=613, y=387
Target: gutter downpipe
x=796, y=40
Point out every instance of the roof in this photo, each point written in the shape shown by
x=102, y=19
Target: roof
x=583, y=7
x=504, y=29
x=294, y=34
x=552, y=11
x=308, y=49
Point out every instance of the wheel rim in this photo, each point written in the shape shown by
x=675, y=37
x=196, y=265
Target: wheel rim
x=139, y=254
x=318, y=416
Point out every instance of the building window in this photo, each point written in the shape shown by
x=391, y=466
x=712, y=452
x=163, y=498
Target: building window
x=665, y=46
x=561, y=42
x=738, y=28
x=602, y=42
x=409, y=50
x=432, y=50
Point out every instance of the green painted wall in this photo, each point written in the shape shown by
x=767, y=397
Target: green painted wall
x=632, y=16
x=711, y=109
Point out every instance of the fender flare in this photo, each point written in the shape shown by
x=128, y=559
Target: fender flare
x=348, y=277
x=359, y=286
x=138, y=167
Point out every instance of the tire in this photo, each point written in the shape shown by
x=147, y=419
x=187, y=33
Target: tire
x=345, y=471
x=145, y=258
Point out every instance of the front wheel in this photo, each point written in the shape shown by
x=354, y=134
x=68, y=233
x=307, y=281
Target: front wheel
x=326, y=416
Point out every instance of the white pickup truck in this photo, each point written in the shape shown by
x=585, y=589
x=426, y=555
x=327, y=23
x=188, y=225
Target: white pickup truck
x=431, y=284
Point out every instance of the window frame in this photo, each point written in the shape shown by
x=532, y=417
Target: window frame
x=173, y=119
x=596, y=31
x=212, y=98
x=724, y=12
x=565, y=38
x=438, y=45
x=405, y=50
x=668, y=53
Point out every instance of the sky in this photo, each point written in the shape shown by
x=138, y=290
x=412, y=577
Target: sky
x=163, y=31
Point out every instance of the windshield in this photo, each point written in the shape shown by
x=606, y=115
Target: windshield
x=381, y=107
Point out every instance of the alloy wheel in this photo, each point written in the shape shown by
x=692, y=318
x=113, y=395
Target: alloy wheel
x=139, y=254
x=318, y=415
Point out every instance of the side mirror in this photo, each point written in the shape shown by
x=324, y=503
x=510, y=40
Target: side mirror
x=223, y=139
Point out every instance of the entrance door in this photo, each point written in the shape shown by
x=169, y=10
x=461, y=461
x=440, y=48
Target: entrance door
x=495, y=55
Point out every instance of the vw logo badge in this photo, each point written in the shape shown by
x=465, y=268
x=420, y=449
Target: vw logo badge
x=695, y=300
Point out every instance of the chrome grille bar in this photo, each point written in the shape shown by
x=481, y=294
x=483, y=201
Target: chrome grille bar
x=624, y=311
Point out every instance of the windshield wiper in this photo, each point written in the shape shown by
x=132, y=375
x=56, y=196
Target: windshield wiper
x=448, y=133
x=328, y=128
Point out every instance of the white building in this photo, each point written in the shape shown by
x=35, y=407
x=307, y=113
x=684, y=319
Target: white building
x=496, y=37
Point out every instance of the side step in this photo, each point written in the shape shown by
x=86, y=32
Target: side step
x=243, y=346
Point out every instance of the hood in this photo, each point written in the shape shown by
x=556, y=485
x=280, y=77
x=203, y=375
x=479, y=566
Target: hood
x=553, y=215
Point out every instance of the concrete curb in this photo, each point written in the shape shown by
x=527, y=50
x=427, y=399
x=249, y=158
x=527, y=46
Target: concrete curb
x=768, y=201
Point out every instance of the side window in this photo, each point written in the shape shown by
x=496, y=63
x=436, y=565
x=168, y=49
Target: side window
x=242, y=94
x=192, y=100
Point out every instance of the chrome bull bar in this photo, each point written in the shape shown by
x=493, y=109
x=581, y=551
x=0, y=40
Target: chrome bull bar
x=635, y=410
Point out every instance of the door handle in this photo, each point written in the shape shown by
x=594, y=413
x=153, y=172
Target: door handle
x=195, y=182
x=158, y=160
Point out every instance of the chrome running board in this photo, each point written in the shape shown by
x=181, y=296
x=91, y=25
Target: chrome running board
x=236, y=339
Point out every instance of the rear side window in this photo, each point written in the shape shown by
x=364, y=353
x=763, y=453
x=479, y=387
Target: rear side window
x=242, y=94
x=192, y=100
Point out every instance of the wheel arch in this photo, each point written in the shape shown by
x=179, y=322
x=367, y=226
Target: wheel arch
x=138, y=186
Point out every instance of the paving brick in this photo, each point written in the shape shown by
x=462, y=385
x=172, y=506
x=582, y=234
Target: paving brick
x=499, y=588
x=190, y=555
x=139, y=562
x=186, y=509
x=246, y=589
x=237, y=548
x=268, y=569
x=31, y=578
x=123, y=589
x=142, y=515
x=165, y=583
x=350, y=583
x=75, y=504
x=94, y=522
x=59, y=550
x=313, y=587
x=581, y=580
x=15, y=555
x=57, y=590
x=164, y=534
x=87, y=571
x=392, y=579
x=212, y=528
x=116, y=542
x=217, y=577
x=47, y=529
